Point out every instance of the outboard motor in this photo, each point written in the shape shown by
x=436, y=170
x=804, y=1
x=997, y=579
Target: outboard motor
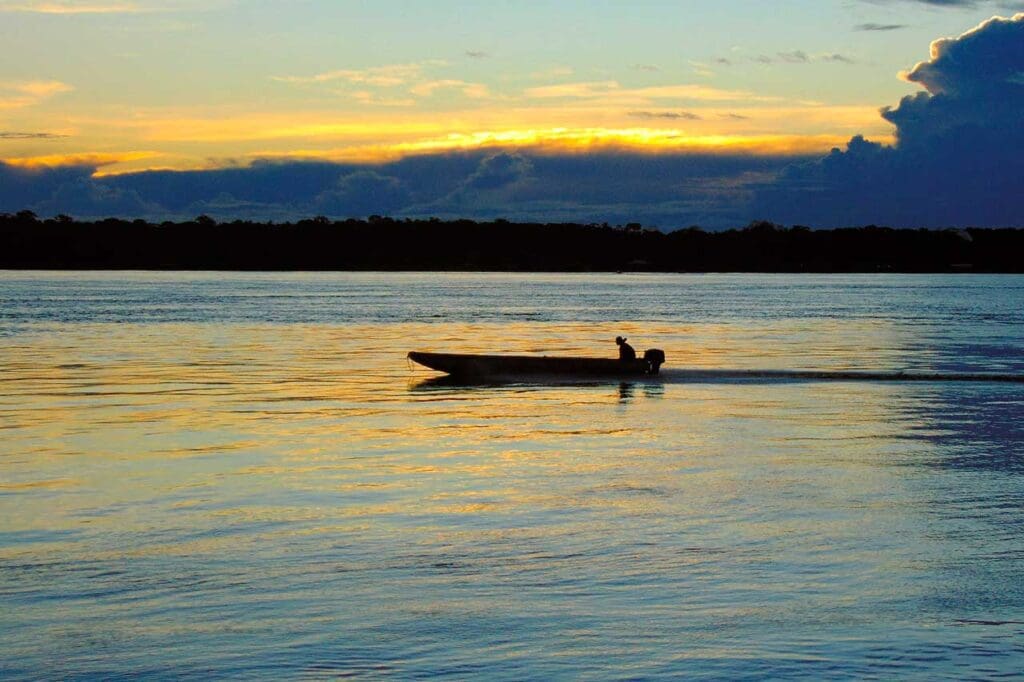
x=654, y=357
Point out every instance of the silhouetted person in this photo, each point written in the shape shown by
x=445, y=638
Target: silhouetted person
x=626, y=351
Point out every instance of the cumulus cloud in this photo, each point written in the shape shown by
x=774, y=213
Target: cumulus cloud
x=958, y=154
x=492, y=185
x=86, y=197
x=364, y=193
x=976, y=64
x=669, y=190
x=957, y=161
x=499, y=171
x=27, y=187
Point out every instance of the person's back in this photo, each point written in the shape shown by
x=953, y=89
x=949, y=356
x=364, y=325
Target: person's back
x=626, y=351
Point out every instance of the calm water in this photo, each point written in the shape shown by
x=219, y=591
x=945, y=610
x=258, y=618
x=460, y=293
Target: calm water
x=214, y=475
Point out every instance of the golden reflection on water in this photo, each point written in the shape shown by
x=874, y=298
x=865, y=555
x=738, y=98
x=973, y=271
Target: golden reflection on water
x=211, y=492
x=113, y=431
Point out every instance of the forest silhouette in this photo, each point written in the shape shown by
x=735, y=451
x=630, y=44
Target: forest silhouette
x=382, y=243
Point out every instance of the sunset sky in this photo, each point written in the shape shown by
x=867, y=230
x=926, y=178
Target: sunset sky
x=675, y=113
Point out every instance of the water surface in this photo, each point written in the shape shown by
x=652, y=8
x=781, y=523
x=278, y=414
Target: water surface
x=212, y=474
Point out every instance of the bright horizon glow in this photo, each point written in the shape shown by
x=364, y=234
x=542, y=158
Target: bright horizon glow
x=179, y=84
x=895, y=112
x=551, y=141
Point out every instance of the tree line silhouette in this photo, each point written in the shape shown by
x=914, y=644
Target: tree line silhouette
x=382, y=243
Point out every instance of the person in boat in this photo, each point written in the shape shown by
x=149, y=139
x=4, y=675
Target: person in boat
x=626, y=352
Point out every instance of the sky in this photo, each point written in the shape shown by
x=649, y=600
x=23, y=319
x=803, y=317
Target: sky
x=825, y=113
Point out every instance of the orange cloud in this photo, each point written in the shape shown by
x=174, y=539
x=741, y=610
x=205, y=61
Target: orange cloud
x=189, y=138
x=388, y=76
x=472, y=90
x=15, y=95
x=569, y=141
x=635, y=139
x=91, y=159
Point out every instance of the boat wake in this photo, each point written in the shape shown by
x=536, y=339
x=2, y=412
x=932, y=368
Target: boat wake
x=725, y=375
x=769, y=375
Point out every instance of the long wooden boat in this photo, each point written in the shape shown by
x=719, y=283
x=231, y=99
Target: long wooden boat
x=512, y=366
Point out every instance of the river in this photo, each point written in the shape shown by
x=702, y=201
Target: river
x=240, y=475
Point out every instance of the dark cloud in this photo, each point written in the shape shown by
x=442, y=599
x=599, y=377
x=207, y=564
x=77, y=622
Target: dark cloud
x=477, y=54
x=684, y=115
x=666, y=190
x=645, y=67
x=488, y=191
x=795, y=57
x=966, y=4
x=89, y=198
x=364, y=193
x=948, y=3
x=669, y=190
x=879, y=27
x=491, y=188
x=498, y=172
x=978, y=64
x=958, y=160
x=800, y=57
x=936, y=3
x=264, y=183
x=15, y=135
x=27, y=187
x=67, y=189
x=959, y=152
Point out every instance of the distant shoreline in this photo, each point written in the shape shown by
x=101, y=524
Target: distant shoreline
x=385, y=244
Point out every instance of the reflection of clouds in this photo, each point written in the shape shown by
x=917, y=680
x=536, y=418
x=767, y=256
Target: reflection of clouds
x=282, y=475
x=977, y=427
x=192, y=411
x=962, y=468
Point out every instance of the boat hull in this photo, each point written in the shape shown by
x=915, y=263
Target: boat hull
x=491, y=366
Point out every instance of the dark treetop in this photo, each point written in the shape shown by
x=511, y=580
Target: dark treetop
x=381, y=243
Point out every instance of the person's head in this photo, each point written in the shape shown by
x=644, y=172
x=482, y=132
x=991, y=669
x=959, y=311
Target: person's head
x=619, y=340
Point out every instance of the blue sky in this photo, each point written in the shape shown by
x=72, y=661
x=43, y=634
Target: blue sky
x=107, y=89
